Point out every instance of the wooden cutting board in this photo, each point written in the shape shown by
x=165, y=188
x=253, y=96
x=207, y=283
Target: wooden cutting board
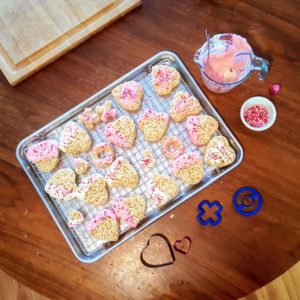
x=33, y=33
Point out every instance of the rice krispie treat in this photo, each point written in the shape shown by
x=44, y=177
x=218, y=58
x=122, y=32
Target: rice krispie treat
x=129, y=95
x=89, y=118
x=162, y=189
x=74, y=139
x=75, y=217
x=218, y=152
x=45, y=155
x=62, y=185
x=121, y=132
x=201, y=129
x=130, y=210
x=122, y=174
x=93, y=190
x=104, y=226
x=148, y=160
x=172, y=147
x=81, y=165
x=188, y=167
x=164, y=79
x=103, y=155
x=183, y=106
x=153, y=125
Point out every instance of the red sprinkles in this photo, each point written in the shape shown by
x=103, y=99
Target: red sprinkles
x=256, y=116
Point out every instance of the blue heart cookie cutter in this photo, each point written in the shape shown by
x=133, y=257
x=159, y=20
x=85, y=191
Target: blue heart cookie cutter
x=247, y=201
x=209, y=221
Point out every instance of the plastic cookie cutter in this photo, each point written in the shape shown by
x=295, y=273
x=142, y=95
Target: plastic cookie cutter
x=216, y=206
x=247, y=201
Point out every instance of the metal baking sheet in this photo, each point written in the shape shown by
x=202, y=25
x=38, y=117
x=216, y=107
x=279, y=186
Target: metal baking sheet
x=86, y=248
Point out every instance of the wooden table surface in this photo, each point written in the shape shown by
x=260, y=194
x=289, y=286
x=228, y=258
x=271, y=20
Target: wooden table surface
x=228, y=261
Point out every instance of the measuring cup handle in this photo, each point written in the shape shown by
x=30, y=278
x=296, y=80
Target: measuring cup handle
x=261, y=65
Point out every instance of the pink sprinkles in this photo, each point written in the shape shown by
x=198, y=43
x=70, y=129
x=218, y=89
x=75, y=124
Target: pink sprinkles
x=256, y=116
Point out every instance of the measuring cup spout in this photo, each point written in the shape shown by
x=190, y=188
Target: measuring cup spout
x=261, y=65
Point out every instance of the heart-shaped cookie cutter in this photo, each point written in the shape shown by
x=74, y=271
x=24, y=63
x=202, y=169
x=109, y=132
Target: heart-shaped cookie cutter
x=202, y=212
x=149, y=265
x=181, y=241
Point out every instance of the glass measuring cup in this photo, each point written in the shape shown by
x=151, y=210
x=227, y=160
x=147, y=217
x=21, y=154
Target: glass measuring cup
x=227, y=61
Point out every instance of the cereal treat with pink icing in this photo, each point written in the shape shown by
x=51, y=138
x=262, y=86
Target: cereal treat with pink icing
x=130, y=210
x=103, y=155
x=129, y=95
x=106, y=112
x=162, y=189
x=62, y=185
x=183, y=106
x=74, y=139
x=75, y=217
x=93, y=190
x=45, y=155
x=121, y=132
x=153, y=125
x=81, y=165
x=172, y=147
x=201, y=129
x=188, y=167
x=89, y=118
x=104, y=226
x=219, y=153
x=148, y=160
x=122, y=174
x=164, y=79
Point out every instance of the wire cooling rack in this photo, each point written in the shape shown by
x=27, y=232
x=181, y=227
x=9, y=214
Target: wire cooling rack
x=89, y=246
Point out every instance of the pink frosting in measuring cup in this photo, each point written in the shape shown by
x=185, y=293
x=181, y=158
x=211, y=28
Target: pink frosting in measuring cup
x=228, y=65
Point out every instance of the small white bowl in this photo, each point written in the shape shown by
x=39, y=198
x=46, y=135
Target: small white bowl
x=258, y=100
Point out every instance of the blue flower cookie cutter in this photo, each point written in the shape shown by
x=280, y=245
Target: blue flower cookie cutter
x=247, y=201
x=209, y=221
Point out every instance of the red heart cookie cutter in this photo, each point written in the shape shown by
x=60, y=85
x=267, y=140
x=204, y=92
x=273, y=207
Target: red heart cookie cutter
x=183, y=245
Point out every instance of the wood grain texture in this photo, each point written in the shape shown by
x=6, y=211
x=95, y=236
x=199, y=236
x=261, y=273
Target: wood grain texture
x=286, y=286
x=34, y=33
x=229, y=261
x=10, y=289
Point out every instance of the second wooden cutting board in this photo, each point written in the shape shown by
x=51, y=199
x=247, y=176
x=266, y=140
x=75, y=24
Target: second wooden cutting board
x=34, y=32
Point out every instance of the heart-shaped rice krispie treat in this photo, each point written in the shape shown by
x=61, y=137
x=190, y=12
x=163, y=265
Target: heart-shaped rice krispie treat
x=45, y=155
x=121, y=132
x=164, y=79
x=130, y=210
x=93, y=190
x=129, y=95
x=201, y=129
x=153, y=125
x=183, y=106
x=62, y=185
x=74, y=139
x=104, y=226
x=218, y=152
x=188, y=167
x=162, y=189
x=122, y=174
